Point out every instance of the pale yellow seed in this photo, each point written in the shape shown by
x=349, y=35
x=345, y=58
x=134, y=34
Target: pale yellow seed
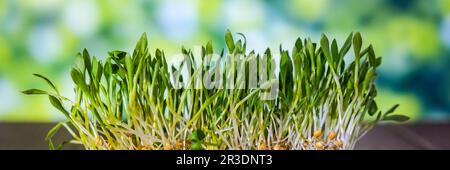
x=179, y=145
x=168, y=146
x=319, y=146
x=338, y=143
x=331, y=135
x=317, y=134
x=279, y=147
x=305, y=144
x=143, y=147
x=263, y=147
x=110, y=146
x=98, y=141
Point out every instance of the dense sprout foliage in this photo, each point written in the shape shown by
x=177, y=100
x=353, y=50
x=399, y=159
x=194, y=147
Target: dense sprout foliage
x=132, y=101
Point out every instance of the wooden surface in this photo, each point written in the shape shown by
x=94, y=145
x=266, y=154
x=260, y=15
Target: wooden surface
x=409, y=136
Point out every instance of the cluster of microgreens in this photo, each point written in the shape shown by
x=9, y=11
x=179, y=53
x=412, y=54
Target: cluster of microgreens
x=129, y=101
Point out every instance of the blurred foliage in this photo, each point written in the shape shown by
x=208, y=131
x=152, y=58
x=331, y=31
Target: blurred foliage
x=43, y=36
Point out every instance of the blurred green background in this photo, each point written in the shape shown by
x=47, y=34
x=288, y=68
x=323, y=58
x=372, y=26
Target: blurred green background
x=43, y=36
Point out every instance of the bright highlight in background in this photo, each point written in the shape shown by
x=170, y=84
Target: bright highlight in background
x=43, y=36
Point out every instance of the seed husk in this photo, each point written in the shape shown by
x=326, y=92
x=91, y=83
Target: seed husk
x=317, y=134
x=144, y=147
x=279, y=147
x=338, y=143
x=168, y=146
x=179, y=145
x=99, y=141
x=263, y=147
x=331, y=135
x=319, y=146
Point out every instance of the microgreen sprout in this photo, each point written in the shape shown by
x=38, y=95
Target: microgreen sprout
x=231, y=100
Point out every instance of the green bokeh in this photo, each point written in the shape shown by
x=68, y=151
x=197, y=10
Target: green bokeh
x=43, y=36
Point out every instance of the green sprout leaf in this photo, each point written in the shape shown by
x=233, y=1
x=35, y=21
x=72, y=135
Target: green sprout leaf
x=78, y=78
x=391, y=110
x=397, y=118
x=310, y=99
x=196, y=146
x=34, y=91
x=357, y=44
x=229, y=40
x=373, y=108
x=53, y=131
x=346, y=46
x=57, y=104
x=197, y=136
x=48, y=82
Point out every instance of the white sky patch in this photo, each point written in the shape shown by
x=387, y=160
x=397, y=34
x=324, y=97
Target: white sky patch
x=98, y=47
x=397, y=64
x=178, y=19
x=437, y=115
x=281, y=33
x=82, y=17
x=43, y=6
x=255, y=40
x=349, y=58
x=445, y=31
x=8, y=97
x=240, y=14
x=45, y=43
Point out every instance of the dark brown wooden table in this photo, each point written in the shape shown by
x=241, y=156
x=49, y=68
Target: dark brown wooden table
x=406, y=136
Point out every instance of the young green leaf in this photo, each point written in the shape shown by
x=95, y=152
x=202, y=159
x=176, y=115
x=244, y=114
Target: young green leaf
x=334, y=50
x=325, y=46
x=209, y=48
x=48, y=82
x=78, y=78
x=34, y=91
x=373, y=108
x=141, y=46
x=118, y=56
x=196, y=136
x=52, y=131
x=357, y=43
x=87, y=61
x=372, y=57
x=397, y=118
x=57, y=104
x=229, y=41
x=369, y=77
x=196, y=146
x=391, y=110
x=129, y=66
x=346, y=46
